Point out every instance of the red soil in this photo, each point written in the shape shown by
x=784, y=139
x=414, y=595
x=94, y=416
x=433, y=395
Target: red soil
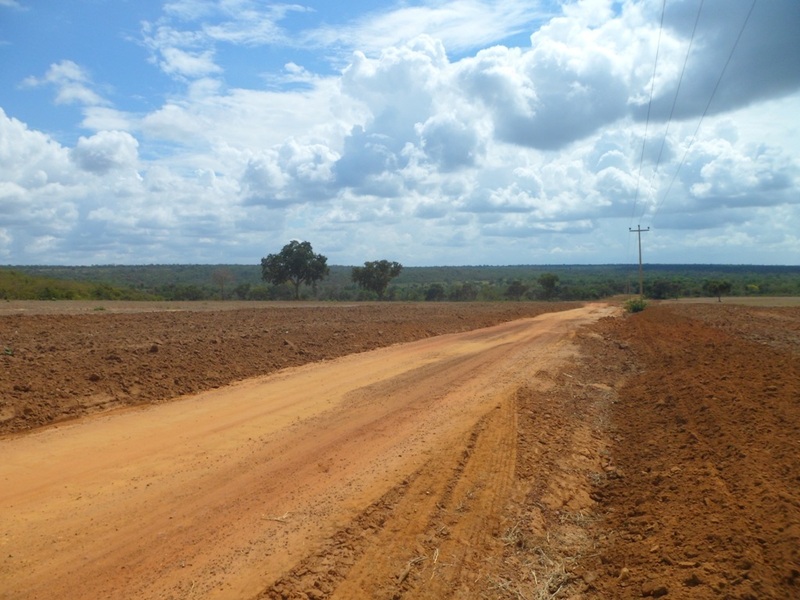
x=647, y=455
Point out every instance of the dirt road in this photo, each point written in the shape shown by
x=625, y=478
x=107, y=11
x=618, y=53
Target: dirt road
x=232, y=493
x=62, y=360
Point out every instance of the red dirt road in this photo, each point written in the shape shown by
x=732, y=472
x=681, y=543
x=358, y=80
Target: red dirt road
x=62, y=360
x=232, y=493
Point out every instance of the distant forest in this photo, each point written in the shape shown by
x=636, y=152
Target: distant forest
x=468, y=283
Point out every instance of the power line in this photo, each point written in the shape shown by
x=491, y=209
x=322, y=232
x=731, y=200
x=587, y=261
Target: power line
x=649, y=106
x=705, y=111
x=644, y=139
x=677, y=90
x=639, y=229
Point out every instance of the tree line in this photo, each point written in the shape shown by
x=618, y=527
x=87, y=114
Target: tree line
x=385, y=279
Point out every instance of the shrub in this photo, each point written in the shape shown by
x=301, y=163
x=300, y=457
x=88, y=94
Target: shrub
x=635, y=305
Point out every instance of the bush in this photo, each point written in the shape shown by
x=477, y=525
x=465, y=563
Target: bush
x=635, y=305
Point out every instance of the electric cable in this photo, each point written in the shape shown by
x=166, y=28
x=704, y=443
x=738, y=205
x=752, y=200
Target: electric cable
x=649, y=106
x=677, y=93
x=647, y=122
x=705, y=111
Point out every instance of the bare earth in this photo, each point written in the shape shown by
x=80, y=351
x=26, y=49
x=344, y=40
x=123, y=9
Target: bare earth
x=399, y=451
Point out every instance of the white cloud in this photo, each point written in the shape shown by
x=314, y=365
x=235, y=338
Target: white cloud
x=460, y=25
x=106, y=151
x=29, y=158
x=183, y=54
x=98, y=118
x=72, y=82
x=252, y=24
x=175, y=123
x=522, y=153
x=449, y=142
x=183, y=43
x=38, y=189
x=190, y=10
x=175, y=61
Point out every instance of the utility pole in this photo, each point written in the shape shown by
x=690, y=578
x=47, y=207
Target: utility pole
x=639, y=231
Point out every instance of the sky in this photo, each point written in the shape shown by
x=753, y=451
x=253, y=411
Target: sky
x=428, y=132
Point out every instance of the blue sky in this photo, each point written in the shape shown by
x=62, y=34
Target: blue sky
x=428, y=132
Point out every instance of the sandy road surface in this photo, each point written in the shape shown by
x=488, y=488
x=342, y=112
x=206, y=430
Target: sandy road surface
x=219, y=494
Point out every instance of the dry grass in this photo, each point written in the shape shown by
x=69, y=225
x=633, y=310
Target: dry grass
x=547, y=563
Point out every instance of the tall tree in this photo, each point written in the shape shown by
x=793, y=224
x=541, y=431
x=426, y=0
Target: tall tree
x=296, y=264
x=718, y=287
x=375, y=275
x=548, y=281
x=221, y=277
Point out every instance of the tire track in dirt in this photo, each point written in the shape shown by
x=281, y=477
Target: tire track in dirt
x=416, y=539
x=562, y=451
x=217, y=495
x=498, y=514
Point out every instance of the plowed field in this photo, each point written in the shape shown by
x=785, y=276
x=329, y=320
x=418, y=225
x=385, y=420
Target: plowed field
x=399, y=451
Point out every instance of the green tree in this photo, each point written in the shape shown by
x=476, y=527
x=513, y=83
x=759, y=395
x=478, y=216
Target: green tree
x=718, y=287
x=548, y=281
x=516, y=290
x=752, y=288
x=466, y=292
x=242, y=291
x=661, y=289
x=375, y=275
x=296, y=264
x=435, y=293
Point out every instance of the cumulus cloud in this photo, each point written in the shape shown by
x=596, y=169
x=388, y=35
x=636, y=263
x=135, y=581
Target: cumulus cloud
x=105, y=151
x=399, y=86
x=455, y=145
x=366, y=156
x=562, y=89
x=38, y=189
x=721, y=175
x=29, y=158
x=290, y=173
x=398, y=89
x=98, y=118
x=747, y=67
x=449, y=142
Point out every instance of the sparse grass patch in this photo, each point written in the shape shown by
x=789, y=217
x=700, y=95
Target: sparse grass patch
x=550, y=572
x=580, y=518
x=546, y=563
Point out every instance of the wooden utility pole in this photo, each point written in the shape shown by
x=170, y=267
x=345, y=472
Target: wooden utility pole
x=639, y=231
